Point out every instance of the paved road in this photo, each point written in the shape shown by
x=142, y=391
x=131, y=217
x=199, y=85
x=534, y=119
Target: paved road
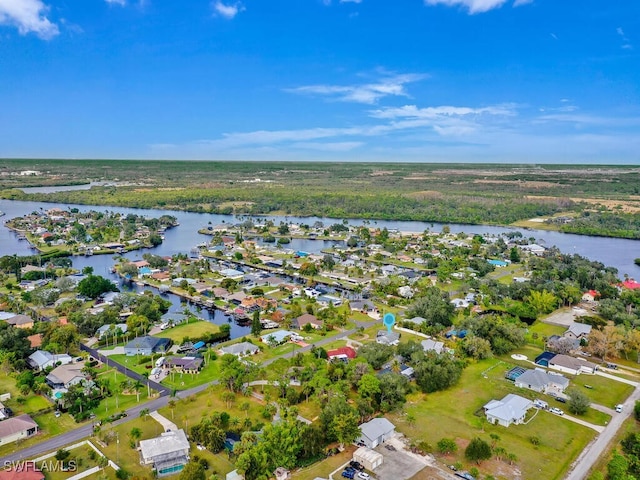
x=592, y=452
x=85, y=431
x=126, y=371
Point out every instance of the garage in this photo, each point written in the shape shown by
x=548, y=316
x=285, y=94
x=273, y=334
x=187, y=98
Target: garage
x=368, y=458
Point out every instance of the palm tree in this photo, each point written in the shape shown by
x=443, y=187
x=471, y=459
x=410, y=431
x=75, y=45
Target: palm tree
x=172, y=406
x=137, y=386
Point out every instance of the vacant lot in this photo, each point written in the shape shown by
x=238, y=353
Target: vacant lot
x=454, y=413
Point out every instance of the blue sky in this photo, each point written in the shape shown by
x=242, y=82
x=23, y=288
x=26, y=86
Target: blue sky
x=537, y=81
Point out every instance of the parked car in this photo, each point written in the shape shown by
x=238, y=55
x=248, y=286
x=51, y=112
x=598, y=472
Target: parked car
x=619, y=408
x=348, y=474
x=390, y=447
x=465, y=475
x=363, y=475
x=561, y=399
x=356, y=465
x=200, y=447
x=556, y=411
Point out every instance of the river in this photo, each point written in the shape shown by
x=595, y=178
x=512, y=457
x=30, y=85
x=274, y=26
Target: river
x=616, y=252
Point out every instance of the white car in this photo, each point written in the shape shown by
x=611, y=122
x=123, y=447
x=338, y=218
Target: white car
x=200, y=447
x=619, y=408
x=557, y=411
x=364, y=475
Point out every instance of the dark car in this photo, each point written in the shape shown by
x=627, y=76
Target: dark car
x=356, y=465
x=348, y=474
x=561, y=399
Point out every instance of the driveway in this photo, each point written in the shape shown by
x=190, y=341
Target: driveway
x=112, y=351
x=165, y=422
x=398, y=463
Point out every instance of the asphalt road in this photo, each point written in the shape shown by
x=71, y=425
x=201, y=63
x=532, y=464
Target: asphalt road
x=592, y=452
x=85, y=431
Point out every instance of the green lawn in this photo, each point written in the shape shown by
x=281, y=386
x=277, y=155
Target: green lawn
x=605, y=391
x=210, y=371
x=324, y=468
x=193, y=329
x=453, y=412
x=81, y=457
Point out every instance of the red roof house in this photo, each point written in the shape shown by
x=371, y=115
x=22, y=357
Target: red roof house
x=343, y=352
x=631, y=284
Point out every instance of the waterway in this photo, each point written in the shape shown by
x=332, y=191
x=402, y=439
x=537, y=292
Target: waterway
x=615, y=252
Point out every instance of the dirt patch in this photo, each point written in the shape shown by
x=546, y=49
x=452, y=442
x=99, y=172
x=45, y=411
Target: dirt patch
x=236, y=204
x=419, y=177
x=423, y=195
x=381, y=173
x=625, y=206
x=523, y=184
x=159, y=189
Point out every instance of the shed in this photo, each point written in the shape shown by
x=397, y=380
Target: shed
x=369, y=459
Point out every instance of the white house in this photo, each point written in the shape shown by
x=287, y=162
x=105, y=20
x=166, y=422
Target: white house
x=376, y=431
x=168, y=453
x=17, y=428
x=41, y=359
x=541, y=381
x=571, y=365
x=511, y=409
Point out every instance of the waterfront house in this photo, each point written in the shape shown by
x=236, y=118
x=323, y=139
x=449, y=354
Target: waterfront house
x=147, y=345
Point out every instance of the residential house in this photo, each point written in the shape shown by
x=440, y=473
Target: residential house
x=240, y=349
x=109, y=329
x=64, y=376
x=167, y=454
x=577, y=331
x=364, y=306
x=147, y=345
x=571, y=365
x=415, y=320
x=190, y=365
x=512, y=409
x=343, y=353
x=541, y=381
x=430, y=345
x=35, y=340
x=590, y=296
x=22, y=471
x=307, y=319
x=41, y=359
x=277, y=337
x=17, y=428
x=376, y=432
x=20, y=321
x=385, y=337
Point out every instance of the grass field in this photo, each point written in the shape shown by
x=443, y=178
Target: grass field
x=454, y=413
x=190, y=330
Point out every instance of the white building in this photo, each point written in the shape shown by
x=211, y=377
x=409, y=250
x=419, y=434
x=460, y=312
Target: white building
x=511, y=409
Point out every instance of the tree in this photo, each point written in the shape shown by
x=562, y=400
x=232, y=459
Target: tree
x=447, y=446
x=434, y=306
x=256, y=326
x=514, y=255
x=375, y=354
x=437, y=372
x=617, y=467
x=477, y=450
x=543, y=301
x=94, y=285
x=193, y=471
x=345, y=428
x=578, y=403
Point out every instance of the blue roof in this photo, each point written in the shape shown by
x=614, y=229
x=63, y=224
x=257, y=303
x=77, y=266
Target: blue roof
x=198, y=345
x=498, y=263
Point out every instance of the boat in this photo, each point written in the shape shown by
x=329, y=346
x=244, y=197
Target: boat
x=164, y=289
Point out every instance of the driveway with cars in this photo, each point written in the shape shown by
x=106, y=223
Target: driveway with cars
x=398, y=463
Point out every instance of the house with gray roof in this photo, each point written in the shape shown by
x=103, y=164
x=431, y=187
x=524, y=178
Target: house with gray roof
x=109, y=329
x=376, y=432
x=577, y=331
x=167, y=454
x=147, y=345
x=277, y=337
x=541, y=381
x=17, y=428
x=571, y=365
x=430, y=345
x=512, y=409
x=41, y=359
x=62, y=377
x=240, y=349
x=385, y=337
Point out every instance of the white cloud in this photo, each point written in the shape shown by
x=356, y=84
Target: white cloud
x=520, y=3
x=473, y=6
x=368, y=93
x=620, y=32
x=327, y=146
x=29, y=16
x=227, y=11
x=117, y=2
x=411, y=111
x=350, y=1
